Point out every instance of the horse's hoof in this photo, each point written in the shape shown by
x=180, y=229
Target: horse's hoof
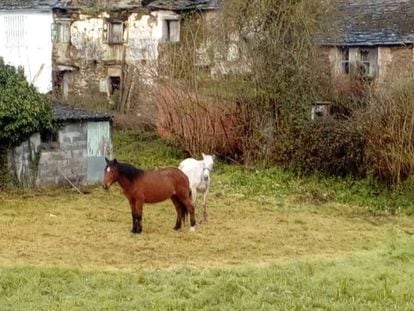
x=192, y=229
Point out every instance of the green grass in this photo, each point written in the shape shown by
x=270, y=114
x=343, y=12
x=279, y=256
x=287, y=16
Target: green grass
x=146, y=151
x=370, y=282
x=317, y=189
x=273, y=242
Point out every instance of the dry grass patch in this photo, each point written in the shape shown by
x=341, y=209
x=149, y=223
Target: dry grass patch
x=92, y=231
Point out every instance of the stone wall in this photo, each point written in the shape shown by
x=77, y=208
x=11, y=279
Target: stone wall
x=52, y=162
x=392, y=60
x=92, y=61
x=23, y=159
x=67, y=159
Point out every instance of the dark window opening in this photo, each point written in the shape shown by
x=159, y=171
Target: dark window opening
x=62, y=82
x=49, y=140
x=115, y=84
x=57, y=80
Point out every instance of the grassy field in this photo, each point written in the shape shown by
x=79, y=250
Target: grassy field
x=273, y=242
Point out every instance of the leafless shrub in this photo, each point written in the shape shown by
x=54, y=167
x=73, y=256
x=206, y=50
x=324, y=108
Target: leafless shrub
x=388, y=122
x=197, y=124
x=132, y=122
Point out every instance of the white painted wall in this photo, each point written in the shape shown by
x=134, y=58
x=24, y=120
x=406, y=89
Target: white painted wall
x=25, y=41
x=145, y=33
x=142, y=36
x=87, y=38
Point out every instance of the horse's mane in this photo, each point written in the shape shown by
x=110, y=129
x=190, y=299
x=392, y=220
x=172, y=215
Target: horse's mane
x=129, y=171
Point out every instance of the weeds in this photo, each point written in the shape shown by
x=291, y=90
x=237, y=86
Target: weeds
x=389, y=127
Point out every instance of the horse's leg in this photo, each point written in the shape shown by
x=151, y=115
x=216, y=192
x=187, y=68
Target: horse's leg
x=194, y=195
x=137, y=216
x=132, y=204
x=190, y=208
x=177, y=205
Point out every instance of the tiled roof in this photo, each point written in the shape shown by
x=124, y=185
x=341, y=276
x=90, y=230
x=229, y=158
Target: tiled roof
x=372, y=22
x=62, y=112
x=27, y=4
x=181, y=5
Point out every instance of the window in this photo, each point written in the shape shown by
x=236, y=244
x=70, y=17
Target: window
x=358, y=60
x=171, y=30
x=364, y=60
x=49, y=140
x=114, y=84
x=61, y=31
x=114, y=32
x=14, y=31
x=344, y=60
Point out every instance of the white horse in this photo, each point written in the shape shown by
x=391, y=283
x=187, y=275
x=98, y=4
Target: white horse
x=198, y=173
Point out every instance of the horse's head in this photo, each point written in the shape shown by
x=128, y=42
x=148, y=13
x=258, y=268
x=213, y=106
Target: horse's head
x=208, y=161
x=208, y=165
x=111, y=173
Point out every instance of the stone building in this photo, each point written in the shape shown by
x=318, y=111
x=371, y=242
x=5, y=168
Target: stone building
x=76, y=153
x=99, y=51
x=87, y=47
x=373, y=36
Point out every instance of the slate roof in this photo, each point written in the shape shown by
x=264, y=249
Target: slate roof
x=51, y=4
x=26, y=4
x=372, y=22
x=181, y=5
x=62, y=112
x=175, y=5
x=114, y=4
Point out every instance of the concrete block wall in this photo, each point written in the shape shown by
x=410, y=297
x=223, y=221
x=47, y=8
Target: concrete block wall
x=68, y=160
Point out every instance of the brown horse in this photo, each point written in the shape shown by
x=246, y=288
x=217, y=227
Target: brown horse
x=151, y=187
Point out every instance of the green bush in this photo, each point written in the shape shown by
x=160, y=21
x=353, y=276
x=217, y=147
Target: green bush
x=23, y=111
x=333, y=147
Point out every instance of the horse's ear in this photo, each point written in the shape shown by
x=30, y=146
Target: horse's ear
x=115, y=162
x=214, y=157
x=106, y=160
x=203, y=154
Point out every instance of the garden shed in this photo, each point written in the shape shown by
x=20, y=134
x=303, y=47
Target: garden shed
x=74, y=153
